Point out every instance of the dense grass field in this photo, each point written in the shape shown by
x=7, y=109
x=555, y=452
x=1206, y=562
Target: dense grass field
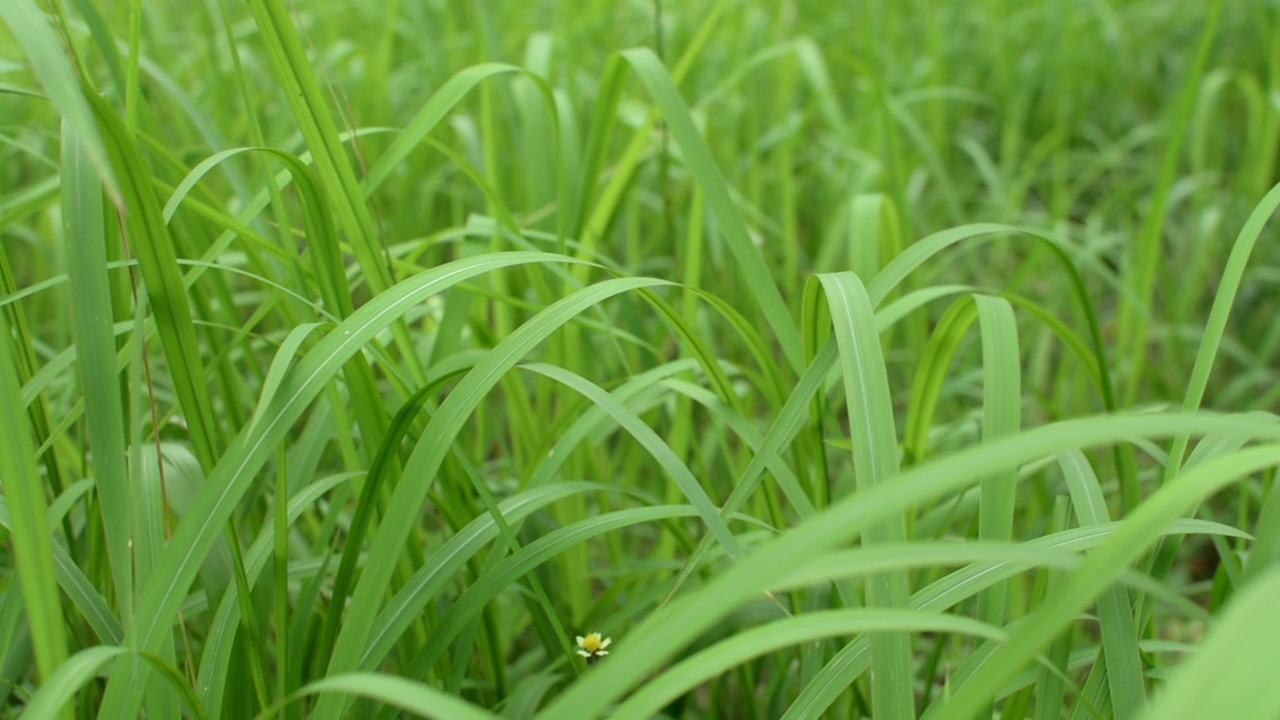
x=887, y=359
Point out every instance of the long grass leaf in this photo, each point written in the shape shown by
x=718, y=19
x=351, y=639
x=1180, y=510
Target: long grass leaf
x=45, y=53
x=429, y=454
x=1137, y=533
x=663, y=632
x=1229, y=675
x=875, y=460
x=755, y=272
x=87, y=272
x=160, y=599
x=1119, y=630
x=416, y=698
x=1001, y=415
x=30, y=537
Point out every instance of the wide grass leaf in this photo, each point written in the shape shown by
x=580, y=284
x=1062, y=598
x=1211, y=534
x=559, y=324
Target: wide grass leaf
x=1231, y=674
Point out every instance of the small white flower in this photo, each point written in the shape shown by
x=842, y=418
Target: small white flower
x=593, y=645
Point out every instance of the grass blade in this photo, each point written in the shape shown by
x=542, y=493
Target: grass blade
x=91, y=319
x=416, y=698
x=45, y=53
x=875, y=460
x=31, y=534
x=1001, y=415
x=1229, y=675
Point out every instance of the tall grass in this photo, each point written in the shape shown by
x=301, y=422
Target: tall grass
x=880, y=359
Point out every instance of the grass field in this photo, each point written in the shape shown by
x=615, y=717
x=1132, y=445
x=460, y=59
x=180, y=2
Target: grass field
x=885, y=359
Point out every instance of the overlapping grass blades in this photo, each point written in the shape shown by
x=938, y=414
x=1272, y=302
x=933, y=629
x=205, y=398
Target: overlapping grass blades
x=704, y=354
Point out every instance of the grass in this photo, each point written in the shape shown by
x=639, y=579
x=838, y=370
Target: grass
x=886, y=359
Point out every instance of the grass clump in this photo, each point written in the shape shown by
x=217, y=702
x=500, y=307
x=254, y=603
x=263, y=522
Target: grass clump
x=556, y=360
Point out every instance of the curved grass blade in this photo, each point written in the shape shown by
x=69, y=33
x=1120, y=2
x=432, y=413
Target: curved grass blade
x=1078, y=589
x=1134, y=320
x=279, y=365
x=875, y=461
x=1231, y=675
x=757, y=641
x=853, y=659
x=921, y=251
x=512, y=568
x=194, y=537
x=45, y=53
x=215, y=659
x=665, y=631
x=84, y=596
x=657, y=448
x=429, y=116
x=702, y=166
x=442, y=567
x=416, y=698
x=429, y=454
x=1215, y=327
x=84, y=666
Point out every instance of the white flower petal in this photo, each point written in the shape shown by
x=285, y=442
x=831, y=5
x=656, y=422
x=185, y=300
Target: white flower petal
x=606, y=642
x=584, y=653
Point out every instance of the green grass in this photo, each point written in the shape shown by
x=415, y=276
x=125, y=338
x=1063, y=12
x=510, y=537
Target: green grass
x=887, y=359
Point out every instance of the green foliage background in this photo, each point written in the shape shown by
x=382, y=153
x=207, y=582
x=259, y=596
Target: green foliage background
x=885, y=359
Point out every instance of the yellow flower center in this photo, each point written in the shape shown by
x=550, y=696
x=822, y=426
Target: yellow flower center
x=592, y=642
